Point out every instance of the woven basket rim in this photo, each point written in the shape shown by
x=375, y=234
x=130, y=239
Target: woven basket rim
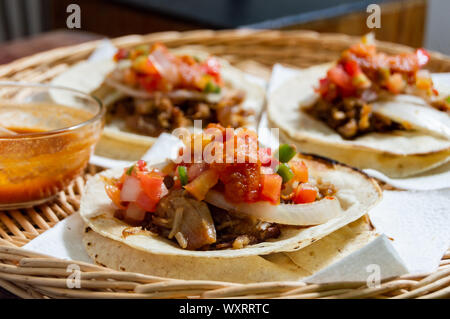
x=29, y=274
x=172, y=35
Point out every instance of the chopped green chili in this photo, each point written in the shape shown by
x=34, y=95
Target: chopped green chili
x=285, y=172
x=285, y=153
x=182, y=171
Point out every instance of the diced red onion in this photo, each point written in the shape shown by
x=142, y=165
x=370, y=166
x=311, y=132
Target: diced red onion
x=165, y=67
x=130, y=190
x=134, y=213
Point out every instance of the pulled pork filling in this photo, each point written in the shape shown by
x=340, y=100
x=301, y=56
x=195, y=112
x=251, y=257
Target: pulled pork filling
x=154, y=116
x=352, y=117
x=195, y=225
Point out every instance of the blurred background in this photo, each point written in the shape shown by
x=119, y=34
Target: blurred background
x=30, y=26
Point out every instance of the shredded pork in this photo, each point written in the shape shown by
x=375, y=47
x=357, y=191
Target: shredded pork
x=351, y=117
x=195, y=225
x=163, y=114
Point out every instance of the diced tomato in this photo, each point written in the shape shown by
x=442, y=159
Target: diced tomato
x=144, y=202
x=121, y=54
x=271, y=187
x=150, y=83
x=200, y=186
x=363, y=50
x=345, y=92
x=304, y=194
x=176, y=184
x=327, y=90
x=300, y=171
x=212, y=67
x=351, y=67
x=323, y=86
x=338, y=76
x=141, y=165
x=153, y=186
x=113, y=193
x=187, y=59
x=188, y=74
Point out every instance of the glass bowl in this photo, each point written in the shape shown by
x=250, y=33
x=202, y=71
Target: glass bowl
x=47, y=135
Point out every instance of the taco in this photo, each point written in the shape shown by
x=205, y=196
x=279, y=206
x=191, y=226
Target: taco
x=368, y=110
x=243, y=201
x=149, y=90
x=273, y=267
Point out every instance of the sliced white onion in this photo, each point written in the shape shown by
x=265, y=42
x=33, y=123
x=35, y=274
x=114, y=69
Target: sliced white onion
x=130, y=190
x=165, y=67
x=175, y=94
x=419, y=117
x=315, y=213
x=134, y=213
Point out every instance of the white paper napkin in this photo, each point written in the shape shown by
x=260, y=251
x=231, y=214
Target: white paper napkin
x=437, y=178
x=419, y=224
x=378, y=258
x=64, y=240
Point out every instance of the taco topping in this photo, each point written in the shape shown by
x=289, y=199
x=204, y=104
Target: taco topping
x=154, y=68
x=363, y=76
x=162, y=91
x=206, y=202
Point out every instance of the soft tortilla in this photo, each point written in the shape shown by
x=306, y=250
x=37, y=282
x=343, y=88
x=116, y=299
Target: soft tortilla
x=120, y=143
x=356, y=192
x=273, y=267
x=396, y=154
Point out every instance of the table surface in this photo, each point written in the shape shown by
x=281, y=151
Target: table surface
x=10, y=51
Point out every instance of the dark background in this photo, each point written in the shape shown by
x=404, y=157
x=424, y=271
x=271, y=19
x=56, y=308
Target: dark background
x=30, y=26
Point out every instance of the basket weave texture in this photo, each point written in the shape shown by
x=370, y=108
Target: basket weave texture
x=31, y=275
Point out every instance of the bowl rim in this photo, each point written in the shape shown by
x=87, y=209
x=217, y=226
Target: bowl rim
x=97, y=116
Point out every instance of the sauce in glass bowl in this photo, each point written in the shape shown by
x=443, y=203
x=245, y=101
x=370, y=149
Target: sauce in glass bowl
x=51, y=146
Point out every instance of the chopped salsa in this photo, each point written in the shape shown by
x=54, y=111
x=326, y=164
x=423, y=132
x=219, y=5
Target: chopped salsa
x=163, y=91
x=155, y=68
x=238, y=168
x=361, y=76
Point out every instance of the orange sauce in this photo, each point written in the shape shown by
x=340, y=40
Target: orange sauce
x=25, y=130
x=37, y=167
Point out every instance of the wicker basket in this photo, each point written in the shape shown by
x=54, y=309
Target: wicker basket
x=31, y=275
